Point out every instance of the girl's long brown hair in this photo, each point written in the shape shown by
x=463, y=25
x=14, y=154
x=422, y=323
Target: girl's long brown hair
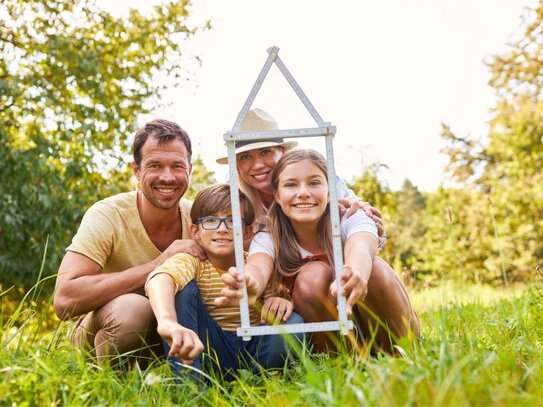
x=288, y=260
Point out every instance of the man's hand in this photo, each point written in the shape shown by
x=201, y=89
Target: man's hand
x=232, y=291
x=181, y=246
x=276, y=310
x=353, y=286
x=184, y=343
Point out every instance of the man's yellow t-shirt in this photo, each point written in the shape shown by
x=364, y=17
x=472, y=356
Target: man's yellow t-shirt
x=112, y=234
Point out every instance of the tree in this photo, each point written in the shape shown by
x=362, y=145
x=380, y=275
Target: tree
x=410, y=229
x=506, y=168
x=73, y=80
x=199, y=178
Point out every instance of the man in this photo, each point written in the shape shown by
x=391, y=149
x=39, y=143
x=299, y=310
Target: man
x=123, y=238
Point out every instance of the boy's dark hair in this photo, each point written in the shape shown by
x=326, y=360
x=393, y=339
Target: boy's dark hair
x=163, y=131
x=215, y=199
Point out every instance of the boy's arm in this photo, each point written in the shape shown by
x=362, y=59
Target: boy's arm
x=258, y=270
x=183, y=342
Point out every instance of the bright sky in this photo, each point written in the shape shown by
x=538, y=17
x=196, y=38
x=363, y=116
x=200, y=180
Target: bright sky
x=385, y=73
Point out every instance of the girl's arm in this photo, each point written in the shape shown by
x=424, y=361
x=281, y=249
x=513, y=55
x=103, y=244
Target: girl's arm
x=359, y=250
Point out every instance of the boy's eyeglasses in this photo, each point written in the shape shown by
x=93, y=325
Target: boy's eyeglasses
x=214, y=222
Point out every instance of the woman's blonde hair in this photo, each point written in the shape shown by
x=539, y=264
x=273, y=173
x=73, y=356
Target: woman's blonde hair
x=288, y=260
x=254, y=196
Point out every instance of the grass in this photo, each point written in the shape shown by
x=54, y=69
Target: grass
x=479, y=346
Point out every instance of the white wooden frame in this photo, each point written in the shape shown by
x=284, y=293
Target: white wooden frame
x=323, y=129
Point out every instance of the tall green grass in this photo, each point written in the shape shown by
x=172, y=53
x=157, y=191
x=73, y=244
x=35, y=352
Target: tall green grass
x=479, y=346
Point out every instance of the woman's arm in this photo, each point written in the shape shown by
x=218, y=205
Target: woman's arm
x=349, y=206
x=350, y=203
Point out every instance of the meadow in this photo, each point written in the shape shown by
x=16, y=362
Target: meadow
x=479, y=346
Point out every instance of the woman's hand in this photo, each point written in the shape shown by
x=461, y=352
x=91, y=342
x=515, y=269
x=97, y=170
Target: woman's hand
x=353, y=286
x=348, y=207
x=276, y=310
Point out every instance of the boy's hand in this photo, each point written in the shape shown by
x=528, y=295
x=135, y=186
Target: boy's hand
x=276, y=310
x=184, y=343
x=232, y=291
x=353, y=286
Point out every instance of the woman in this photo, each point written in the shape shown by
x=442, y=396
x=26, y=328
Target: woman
x=297, y=255
x=255, y=161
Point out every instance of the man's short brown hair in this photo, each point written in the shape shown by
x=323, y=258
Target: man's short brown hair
x=163, y=131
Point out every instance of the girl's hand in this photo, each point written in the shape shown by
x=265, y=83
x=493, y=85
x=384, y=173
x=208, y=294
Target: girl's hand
x=353, y=286
x=232, y=291
x=276, y=310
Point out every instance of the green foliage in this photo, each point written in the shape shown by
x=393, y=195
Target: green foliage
x=487, y=226
x=73, y=80
x=199, y=178
x=479, y=346
x=371, y=188
x=408, y=230
x=505, y=170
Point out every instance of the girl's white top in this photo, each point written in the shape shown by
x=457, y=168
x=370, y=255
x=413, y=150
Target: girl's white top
x=359, y=222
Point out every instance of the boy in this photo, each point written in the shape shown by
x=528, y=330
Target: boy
x=190, y=322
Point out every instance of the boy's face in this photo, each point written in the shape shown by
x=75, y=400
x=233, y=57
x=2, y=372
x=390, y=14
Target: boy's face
x=219, y=242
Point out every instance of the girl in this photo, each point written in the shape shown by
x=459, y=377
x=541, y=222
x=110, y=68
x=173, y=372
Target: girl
x=296, y=254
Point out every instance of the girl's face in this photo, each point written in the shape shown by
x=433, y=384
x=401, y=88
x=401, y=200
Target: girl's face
x=255, y=167
x=302, y=192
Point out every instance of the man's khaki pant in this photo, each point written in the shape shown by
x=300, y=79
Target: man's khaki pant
x=125, y=325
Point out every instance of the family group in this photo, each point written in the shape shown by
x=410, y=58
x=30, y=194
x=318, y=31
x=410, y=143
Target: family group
x=151, y=273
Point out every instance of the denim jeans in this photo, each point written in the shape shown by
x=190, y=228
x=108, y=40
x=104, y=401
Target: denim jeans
x=224, y=351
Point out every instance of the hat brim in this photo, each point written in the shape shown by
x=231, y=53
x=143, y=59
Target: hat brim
x=287, y=145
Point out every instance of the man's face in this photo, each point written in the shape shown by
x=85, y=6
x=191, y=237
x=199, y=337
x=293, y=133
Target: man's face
x=164, y=172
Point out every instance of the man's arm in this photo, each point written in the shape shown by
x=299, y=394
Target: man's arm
x=82, y=287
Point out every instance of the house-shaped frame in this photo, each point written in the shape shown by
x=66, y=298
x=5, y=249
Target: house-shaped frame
x=323, y=129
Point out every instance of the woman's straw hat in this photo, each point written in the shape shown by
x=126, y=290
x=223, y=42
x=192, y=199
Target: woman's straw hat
x=258, y=120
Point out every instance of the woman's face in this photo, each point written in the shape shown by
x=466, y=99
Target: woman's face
x=255, y=167
x=302, y=192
